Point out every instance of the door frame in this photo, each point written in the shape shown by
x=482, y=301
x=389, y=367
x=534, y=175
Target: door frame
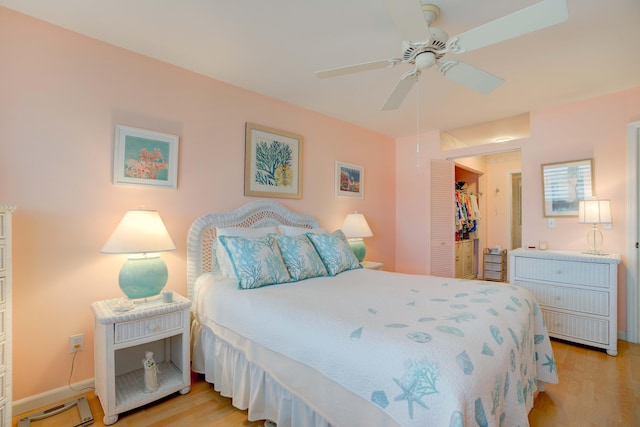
x=510, y=174
x=633, y=237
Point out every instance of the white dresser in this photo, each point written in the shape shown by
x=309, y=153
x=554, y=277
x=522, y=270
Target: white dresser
x=5, y=314
x=577, y=292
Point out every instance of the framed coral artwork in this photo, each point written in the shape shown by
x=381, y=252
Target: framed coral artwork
x=273, y=163
x=145, y=157
x=349, y=180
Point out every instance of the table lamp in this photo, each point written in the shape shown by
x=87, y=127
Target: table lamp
x=355, y=228
x=141, y=234
x=594, y=212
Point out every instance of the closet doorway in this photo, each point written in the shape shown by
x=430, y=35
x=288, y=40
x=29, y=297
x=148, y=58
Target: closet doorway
x=494, y=188
x=501, y=200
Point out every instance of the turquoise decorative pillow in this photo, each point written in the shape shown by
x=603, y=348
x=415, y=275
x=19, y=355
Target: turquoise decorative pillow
x=300, y=257
x=335, y=252
x=256, y=261
x=226, y=269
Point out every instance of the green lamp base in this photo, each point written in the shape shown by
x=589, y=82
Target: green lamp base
x=143, y=277
x=358, y=248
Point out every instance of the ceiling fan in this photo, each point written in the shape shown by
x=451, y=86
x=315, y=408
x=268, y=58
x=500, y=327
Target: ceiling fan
x=425, y=45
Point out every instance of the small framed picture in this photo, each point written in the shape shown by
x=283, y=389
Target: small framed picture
x=349, y=180
x=273, y=163
x=145, y=157
x=564, y=184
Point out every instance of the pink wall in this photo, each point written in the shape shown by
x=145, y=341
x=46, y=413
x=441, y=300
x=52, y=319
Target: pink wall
x=595, y=128
x=61, y=96
x=412, y=171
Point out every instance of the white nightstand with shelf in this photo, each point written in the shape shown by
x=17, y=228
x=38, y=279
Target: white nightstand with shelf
x=372, y=265
x=120, y=341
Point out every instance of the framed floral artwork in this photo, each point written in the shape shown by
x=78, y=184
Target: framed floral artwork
x=273, y=163
x=349, y=180
x=564, y=184
x=145, y=157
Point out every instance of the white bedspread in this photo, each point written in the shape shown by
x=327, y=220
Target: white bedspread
x=403, y=350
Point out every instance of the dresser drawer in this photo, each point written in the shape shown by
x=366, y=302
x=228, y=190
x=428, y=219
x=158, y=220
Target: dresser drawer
x=581, y=300
x=136, y=329
x=562, y=271
x=3, y=258
x=4, y=232
x=562, y=325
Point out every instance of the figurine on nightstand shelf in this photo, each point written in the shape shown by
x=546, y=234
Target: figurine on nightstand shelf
x=150, y=373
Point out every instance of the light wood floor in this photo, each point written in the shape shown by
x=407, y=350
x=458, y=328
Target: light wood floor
x=595, y=390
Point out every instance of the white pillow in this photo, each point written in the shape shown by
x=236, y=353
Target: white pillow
x=226, y=268
x=287, y=230
x=256, y=261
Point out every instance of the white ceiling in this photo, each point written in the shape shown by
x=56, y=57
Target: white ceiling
x=274, y=48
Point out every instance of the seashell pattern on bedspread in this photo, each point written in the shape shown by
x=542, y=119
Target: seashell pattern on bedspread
x=423, y=350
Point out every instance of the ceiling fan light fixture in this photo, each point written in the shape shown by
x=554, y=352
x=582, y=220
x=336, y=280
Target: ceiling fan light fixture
x=425, y=60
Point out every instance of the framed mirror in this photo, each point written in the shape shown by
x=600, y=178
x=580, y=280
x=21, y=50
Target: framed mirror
x=564, y=184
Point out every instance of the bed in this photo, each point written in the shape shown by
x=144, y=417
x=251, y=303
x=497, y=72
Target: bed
x=360, y=347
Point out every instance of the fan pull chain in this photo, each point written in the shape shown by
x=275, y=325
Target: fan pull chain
x=418, y=126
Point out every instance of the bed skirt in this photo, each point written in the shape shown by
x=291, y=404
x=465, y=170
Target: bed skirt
x=248, y=385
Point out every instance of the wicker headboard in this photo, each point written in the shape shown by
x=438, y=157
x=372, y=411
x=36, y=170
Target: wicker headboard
x=201, y=247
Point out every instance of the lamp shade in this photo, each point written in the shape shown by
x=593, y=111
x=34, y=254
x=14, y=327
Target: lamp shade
x=594, y=212
x=139, y=231
x=141, y=234
x=355, y=226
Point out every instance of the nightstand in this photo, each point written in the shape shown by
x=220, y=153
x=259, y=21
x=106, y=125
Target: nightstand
x=372, y=265
x=121, y=339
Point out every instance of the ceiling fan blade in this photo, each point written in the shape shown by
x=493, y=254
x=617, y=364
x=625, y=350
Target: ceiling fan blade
x=333, y=72
x=401, y=90
x=409, y=18
x=527, y=20
x=470, y=76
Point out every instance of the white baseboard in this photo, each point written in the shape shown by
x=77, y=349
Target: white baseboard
x=52, y=396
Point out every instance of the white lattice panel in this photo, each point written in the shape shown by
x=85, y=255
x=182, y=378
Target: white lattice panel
x=442, y=218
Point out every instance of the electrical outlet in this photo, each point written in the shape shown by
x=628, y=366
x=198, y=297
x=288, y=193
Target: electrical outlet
x=76, y=343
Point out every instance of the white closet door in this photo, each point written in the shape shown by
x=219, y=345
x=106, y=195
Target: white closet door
x=442, y=218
